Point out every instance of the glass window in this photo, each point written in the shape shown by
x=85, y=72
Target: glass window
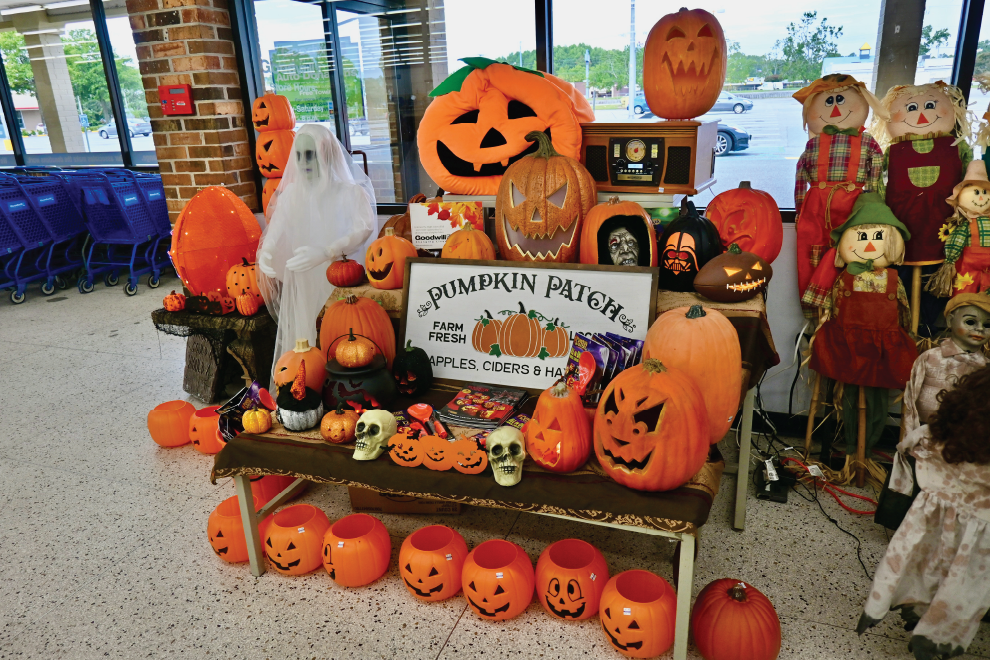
x=131, y=87
x=56, y=75
x=6, y=148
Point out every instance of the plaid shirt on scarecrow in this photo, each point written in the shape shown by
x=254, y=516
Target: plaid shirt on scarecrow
x=960, y=239
x=869, y=174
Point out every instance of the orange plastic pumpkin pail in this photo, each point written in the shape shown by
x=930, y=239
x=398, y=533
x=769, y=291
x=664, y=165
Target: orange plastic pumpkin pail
x=215, y=231
x=168, y=423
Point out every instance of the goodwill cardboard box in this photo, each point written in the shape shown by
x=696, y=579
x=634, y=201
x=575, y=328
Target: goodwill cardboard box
x=369, y=501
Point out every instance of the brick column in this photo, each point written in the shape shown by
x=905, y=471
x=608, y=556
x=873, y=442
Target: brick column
x=190, y=42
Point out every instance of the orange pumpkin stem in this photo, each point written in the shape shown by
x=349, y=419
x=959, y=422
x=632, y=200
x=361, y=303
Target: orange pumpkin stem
x=738, y=593
x=654, y=366
x=299, y=384
x=544, y=147
x=696, y=312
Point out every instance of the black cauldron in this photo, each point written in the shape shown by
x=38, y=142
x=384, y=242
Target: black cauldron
x=372, y=386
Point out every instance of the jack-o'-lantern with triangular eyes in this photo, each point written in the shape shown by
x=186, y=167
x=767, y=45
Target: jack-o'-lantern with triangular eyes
x=272, y=112
x=498, y=580
x=438, y=454
x=734, y=276
x=651, y=428
x=688, y=243
x=272, y=152
x=430, y=562
x=226, y=531
x=541, y=204
x=638, y=613
x=294, y=540
x=405, y=451
x=684, y=64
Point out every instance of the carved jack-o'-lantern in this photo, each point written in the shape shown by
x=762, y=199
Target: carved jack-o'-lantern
x=477, y=124
x=540, y=205
x=412, y=370
x=468, y=457
x=734, y=276
x=498, y=580
x=430, y=562
x=272, y=152
x=684, y=64
x=272, y=112
x=750, y=218
x=686, y=245
x=558, y=437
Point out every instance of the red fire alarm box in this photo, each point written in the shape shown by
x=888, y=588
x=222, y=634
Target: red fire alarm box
x=176, y=99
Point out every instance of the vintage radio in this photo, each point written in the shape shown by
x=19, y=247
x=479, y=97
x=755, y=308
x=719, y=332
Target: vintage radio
x=672, y=157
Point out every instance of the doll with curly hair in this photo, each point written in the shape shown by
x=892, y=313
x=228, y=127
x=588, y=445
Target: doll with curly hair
x=937, y=567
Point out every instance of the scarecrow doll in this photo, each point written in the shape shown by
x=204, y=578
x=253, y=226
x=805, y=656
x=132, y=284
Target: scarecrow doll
x=861, y=341
x=839, y=162
x=967, y=245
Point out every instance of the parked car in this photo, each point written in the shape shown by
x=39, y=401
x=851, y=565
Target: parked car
x=729, y=139
x=726, y=102
x=135, y=126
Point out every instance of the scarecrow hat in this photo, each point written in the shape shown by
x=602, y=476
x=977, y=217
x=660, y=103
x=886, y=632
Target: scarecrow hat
x=981, y=300
x=976, y=175
x=870, y=209
x=826, y=83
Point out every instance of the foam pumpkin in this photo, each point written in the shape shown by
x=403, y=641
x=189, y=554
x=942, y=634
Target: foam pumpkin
x=256, y=420
x=226, y=531
x=355, y=351
x=478, y=123
x=294, y=542
x=288, y=364
x=385, y=260
x=215, y=231
x=688, y=243
x=541, y=203
x=467, y=457
x=733, y=620
x=366, y=317
x=243, y=280
x=272, y=152
x=468, y=243
x=558, y=436
x=345, y=272
x=651, y=427
x=703, y=344
x=570, y=577
x=750, y=218
x=638, y=611
x=272, y=112
x=174, y=302
x=247, y=305
x=356, y=550
x=684, y=64
x=430, y=562
x=339, y=426
x=498, y=580
x=271, y=185
x=733, y=276
x=606, y=218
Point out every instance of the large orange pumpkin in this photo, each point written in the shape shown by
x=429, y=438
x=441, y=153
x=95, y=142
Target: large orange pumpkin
x=272, y=112
x=732, y=620
x=558, y=437
x=288, y=365
x=684, y=64
x=385, y=260
x=356, y=550
x=638, y=610
x=750, y=219
x=273, y=151
x=477, y=124
x=612, y=215
x=271, y=185
x=541, y=203
x=468, y=243
x=703, y=344
x=215, y=231
x=366, y=317
x=226, y=532
x=498, y=580
x=651, y=427
x=430, y=562
x=294, y=542
x=570, y=577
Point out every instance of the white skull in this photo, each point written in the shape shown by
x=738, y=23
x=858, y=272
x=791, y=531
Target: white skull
x=506, y=453
x=374, y=428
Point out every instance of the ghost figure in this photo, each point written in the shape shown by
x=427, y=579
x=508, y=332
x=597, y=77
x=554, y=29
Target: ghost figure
x=373, y=430
x=323, y=209
x=506, y=452
x=623, y=247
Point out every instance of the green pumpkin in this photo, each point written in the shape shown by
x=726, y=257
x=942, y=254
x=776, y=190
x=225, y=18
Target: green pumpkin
x=412, y=370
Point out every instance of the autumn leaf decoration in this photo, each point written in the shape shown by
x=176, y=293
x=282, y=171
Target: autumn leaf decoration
x=299, y=384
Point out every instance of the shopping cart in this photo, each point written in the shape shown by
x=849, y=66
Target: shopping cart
x=25, y=242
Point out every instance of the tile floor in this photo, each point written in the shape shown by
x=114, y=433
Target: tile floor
x=106, y=553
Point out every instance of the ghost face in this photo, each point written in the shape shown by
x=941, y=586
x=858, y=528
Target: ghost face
x=970, y=327
x=374, y=428
x=846, y=108
x=920, y=114
x=623, y=247
x=679, y=254
x=865, y=242
x=304, y=151
x=974, y=201
x=506, y=453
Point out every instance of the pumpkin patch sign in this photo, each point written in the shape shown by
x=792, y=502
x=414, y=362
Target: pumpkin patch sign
x=512, y=323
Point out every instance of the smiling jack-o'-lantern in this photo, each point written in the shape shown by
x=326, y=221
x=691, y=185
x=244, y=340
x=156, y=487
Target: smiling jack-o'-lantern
x=356, y=550
x=467, y=457
x=477, y=123
x=295, y=539
x=405, y=451
x=688, y=243
x=638, y=611
x=651, y=428
x=541, y=204
x=288, y=364
x=226, y=531
x=272, y=152
x=438, y=454
x=272, y=112
x=684, y=64
x=385, y=260
x=498, y=580
x=558, y=437
x=734, y=276
x=570, y=577
x=430, y=562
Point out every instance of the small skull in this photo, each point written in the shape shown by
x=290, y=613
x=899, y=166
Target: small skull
x=506, y=453
x=373, y=430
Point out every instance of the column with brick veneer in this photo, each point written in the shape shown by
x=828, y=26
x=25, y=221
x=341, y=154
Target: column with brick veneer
x=190, y=42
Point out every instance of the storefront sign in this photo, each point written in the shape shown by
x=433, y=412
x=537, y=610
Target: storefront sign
x=300, y=73
x=500, y=322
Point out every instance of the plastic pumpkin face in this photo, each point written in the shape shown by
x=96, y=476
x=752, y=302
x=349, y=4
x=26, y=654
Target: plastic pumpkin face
x=356, y=550
x=637, y=612
x=438, y=454
x=750, y=218
x=295, y=539
x=430, y=562
x=498, y=580
x=468, y=457
x=570, y=577
x=843, y=108
x=273, y=151
x=272, y=112
x=405, y=451
x=385, y=261
x=919, y=114
x=864, y=242
x=203, y=427
x=288, y=365
x=226, y=533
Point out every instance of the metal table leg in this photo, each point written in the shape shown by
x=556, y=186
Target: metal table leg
x=249, y=520
x=742, y=476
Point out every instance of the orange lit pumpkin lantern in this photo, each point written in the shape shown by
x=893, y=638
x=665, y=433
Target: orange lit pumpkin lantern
x=294, y=543
x=733, y=620
x=651, y=428
x=570, y=578
x=750, y=218
x=703, y=344
x=288, y=365
x=438, y=454
x=405, y=451
x=498, y=580
x=684, y=64
x=558, y=437
x=540, y=205
x=478, y=123
x=215, y=231
x=385, y=260
x=637, y=612
x=226, y=532
x=468, y=243
x=273, y=151
x=431, y=560
x=468, y=457
x=606, y=218
x=203, y=427
x=356, y=550
x=271, y=185
x=366, y=317
x=345, y=272
x=168, y=423
x=174, y=302
x=272, y=112
x=242, y=279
